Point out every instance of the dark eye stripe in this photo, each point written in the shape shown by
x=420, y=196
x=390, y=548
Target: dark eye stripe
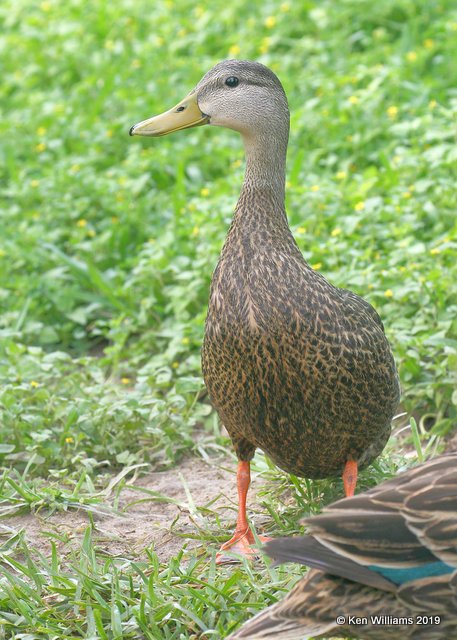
x=232, y=81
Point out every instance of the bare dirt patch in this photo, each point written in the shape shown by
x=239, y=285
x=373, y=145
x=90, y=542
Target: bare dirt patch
x=166, y=521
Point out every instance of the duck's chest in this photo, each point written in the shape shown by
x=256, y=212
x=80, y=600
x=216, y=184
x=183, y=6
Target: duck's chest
x=253, y=296
x=258, y=319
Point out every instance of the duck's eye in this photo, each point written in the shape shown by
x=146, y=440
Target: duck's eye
x=232, y=81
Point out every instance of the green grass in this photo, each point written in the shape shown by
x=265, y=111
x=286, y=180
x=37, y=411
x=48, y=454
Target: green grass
x=108, y=244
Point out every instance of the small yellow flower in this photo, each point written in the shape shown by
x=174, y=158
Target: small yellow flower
x=392, y=112
x=429, y=43
x=185, y=341
x=182, y=33
x=406, y=194
x=81, y=223
x=434, y=251
x=402, y=268
x=204, y=192
x=45, y=6
x=234, y=51
x=69, y=440
x=41, y=131
x=109, y=133
x=371, y=286
x=315, y=187
x=195, y=231
x=40, y=147
x=411, y=56
x=360, y=206
x=285, y=7
x=301, y=230
x=109, y=44
x=353, y=99
x=388, y=293
x=335, y=232
x=2, y=253
x=379, y=33
x=199, y=11
x=270, y=22
x=432, y=104
x=91, y=233
x=75, y=168
x=175, y=365
x=114, y=219
x=236, y=164
x=34, y=384
x=125, y=380
x=316, y=266
x=35, y=183
x=341, y=175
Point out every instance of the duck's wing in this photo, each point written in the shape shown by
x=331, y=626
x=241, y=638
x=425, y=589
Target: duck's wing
x=405, y=529
x=408, y=519
x=309, y=551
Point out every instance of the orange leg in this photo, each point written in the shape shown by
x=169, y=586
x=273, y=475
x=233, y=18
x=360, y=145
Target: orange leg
x=243, y=537
x=350, y=477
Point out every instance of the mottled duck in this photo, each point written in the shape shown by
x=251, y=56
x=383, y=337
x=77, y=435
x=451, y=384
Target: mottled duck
x=293, y=365
x=384, y=565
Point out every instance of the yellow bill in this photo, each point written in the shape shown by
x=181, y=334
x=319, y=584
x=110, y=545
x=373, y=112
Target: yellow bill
x=184, y=115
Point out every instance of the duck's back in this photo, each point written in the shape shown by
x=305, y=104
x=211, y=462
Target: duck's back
x=294, y=365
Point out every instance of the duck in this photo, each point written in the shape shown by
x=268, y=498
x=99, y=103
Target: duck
x=384, y=564
x=294, y=366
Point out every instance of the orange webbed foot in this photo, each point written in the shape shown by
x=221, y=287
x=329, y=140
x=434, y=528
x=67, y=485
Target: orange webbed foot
x=241, y=543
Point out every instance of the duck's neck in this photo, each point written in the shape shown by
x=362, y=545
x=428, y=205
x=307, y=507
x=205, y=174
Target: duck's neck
x=261, y=201
x=266, y=165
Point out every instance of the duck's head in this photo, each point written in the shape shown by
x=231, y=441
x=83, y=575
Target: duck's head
x=238, y=94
